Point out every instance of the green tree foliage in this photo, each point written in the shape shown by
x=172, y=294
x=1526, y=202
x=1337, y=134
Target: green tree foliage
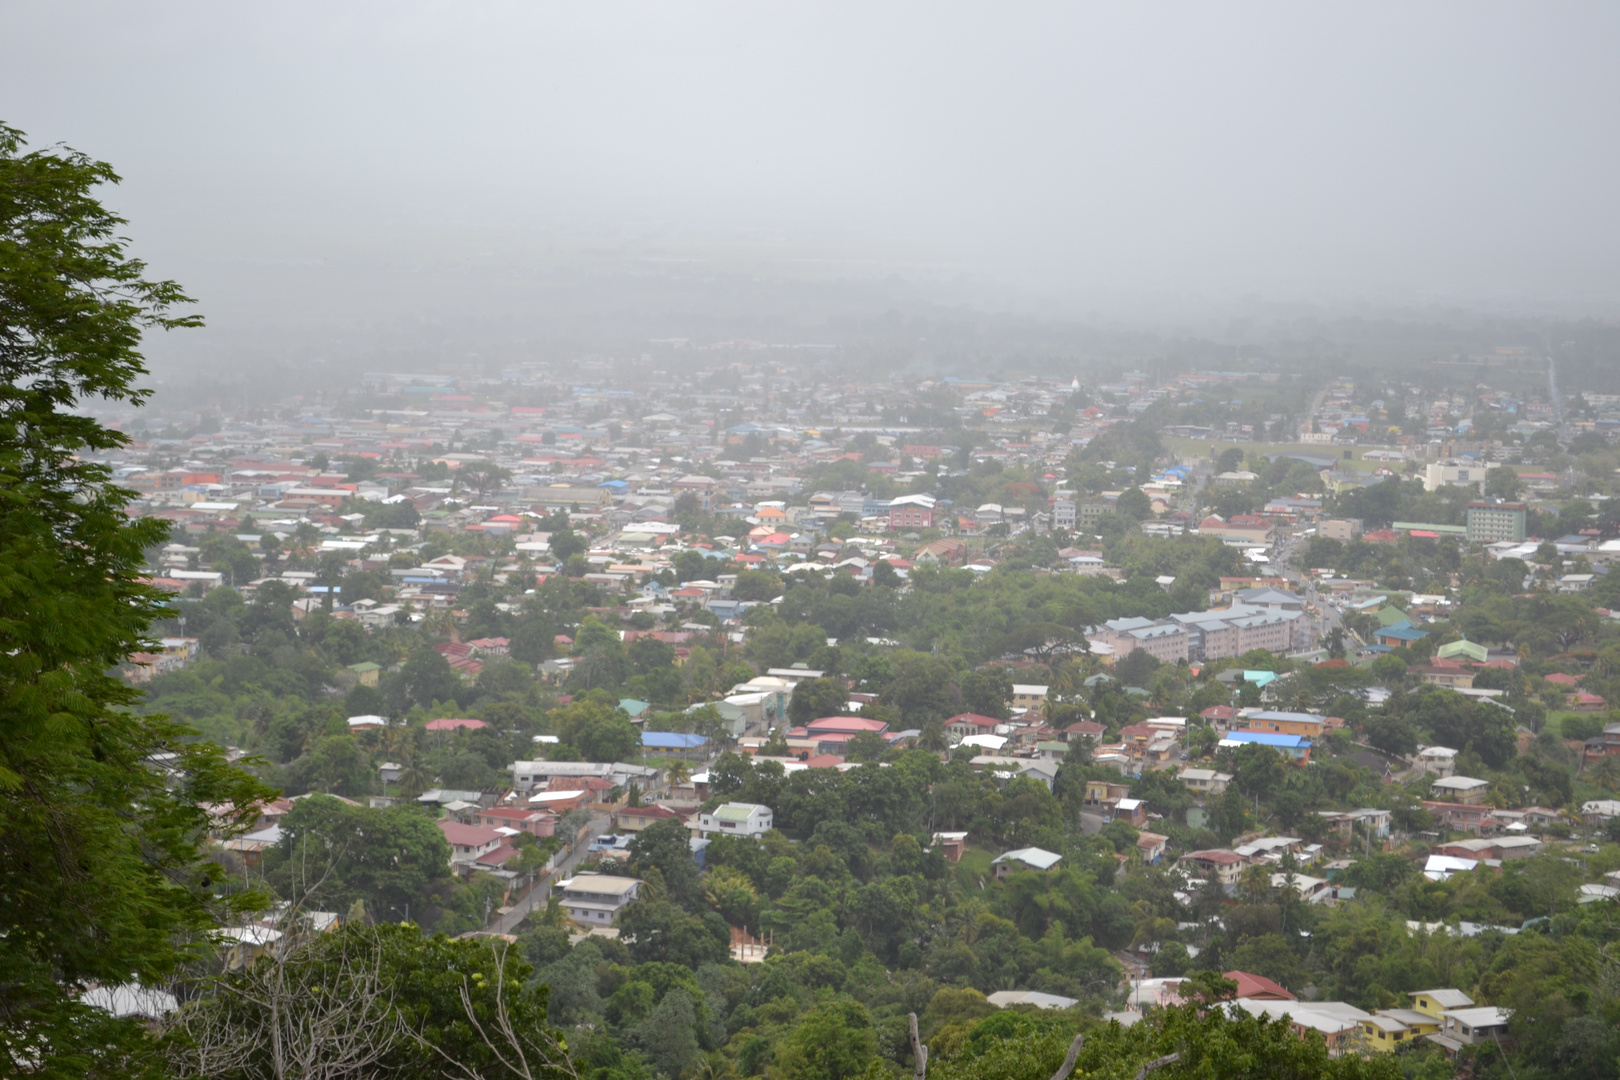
x=101, y=878
x=332, y=853
x=815, y=698
x=834, y=1041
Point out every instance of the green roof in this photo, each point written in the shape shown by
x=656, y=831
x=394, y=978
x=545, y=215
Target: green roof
x=1470, y=649
x=1390, y=615
x=363, y=666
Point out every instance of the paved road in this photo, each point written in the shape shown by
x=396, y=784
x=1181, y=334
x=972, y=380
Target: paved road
x=506, y=924
x=1329, y=616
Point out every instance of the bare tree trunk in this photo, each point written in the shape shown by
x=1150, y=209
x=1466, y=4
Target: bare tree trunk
x=1156, y=1064
x=1074, y=1055
x=919, y=1052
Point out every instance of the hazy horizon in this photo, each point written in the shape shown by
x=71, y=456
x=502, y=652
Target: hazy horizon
x=307, y=166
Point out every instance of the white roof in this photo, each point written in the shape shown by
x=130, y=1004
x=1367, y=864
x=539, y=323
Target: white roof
x=1003, y=998
x=557, y=796
x=130, y=999
x=988, y=742
x=1482, y=1016
x=1460, y=783
x=605, y=884
x=1129, y=804
x=1440, y=867
x=1032, y=856
x=1446, y=999
x=249, y=935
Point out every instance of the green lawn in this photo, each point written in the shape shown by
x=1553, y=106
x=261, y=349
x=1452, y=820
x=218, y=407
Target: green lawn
x=975, y=864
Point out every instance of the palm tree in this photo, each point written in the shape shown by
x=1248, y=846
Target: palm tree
x=679, y=771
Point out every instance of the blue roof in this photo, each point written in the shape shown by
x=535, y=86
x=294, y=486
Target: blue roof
x=671, y=740
x=1266, y=738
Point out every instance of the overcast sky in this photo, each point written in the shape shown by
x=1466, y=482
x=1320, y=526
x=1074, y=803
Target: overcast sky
x=1324, y=150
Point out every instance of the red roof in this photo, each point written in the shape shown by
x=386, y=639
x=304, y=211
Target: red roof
x=1085, y=727
x=455, y=725
x=498, y=856
x=1560, y=679
x=579, y=783
x=653, y=811
x=1218, y=712
x=845, y=724
x=1216, y=855
x=824, y=761
x=467, y=835
x=1258, y=986
x=975, y=719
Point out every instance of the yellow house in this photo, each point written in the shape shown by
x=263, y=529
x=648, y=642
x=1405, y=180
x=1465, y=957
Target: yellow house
x=1029, y=696
x=1287, y=723
x=1389, y=1028
x=1433, y=1003
x=366, y=672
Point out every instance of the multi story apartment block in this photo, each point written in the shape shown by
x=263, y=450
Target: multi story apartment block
x=1490, y=522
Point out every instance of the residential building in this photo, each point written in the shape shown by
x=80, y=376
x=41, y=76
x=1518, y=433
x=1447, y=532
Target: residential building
x=1296, y=748
x=469, y=842
x=1462, y=789
x=635, y=818
x=1205, y=781
x=1475, y=1026
x=1473, y=818
x=1438, y=760
x=964, y=724
x=1434, y=1003
x=1225, y=865
x=736, y=819
x=1029, y=696
x=1286, y=723
x=1491, y=522
x=1341, y=529
x=533, y=822
x=911, y=512
x=596, y=899
x=1023, y=859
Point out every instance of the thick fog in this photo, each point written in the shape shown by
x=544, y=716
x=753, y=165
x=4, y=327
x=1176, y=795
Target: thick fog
x=1075, y=156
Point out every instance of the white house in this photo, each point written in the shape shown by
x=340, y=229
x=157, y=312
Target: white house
x=1205, y=781
x=1483, y=1024
x=736, y=819
x=596, y=899
x=1032, y=858
x=1463, y=789
x=1439, y=760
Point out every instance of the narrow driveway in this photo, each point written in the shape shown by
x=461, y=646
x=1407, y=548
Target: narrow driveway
x=507, y=923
